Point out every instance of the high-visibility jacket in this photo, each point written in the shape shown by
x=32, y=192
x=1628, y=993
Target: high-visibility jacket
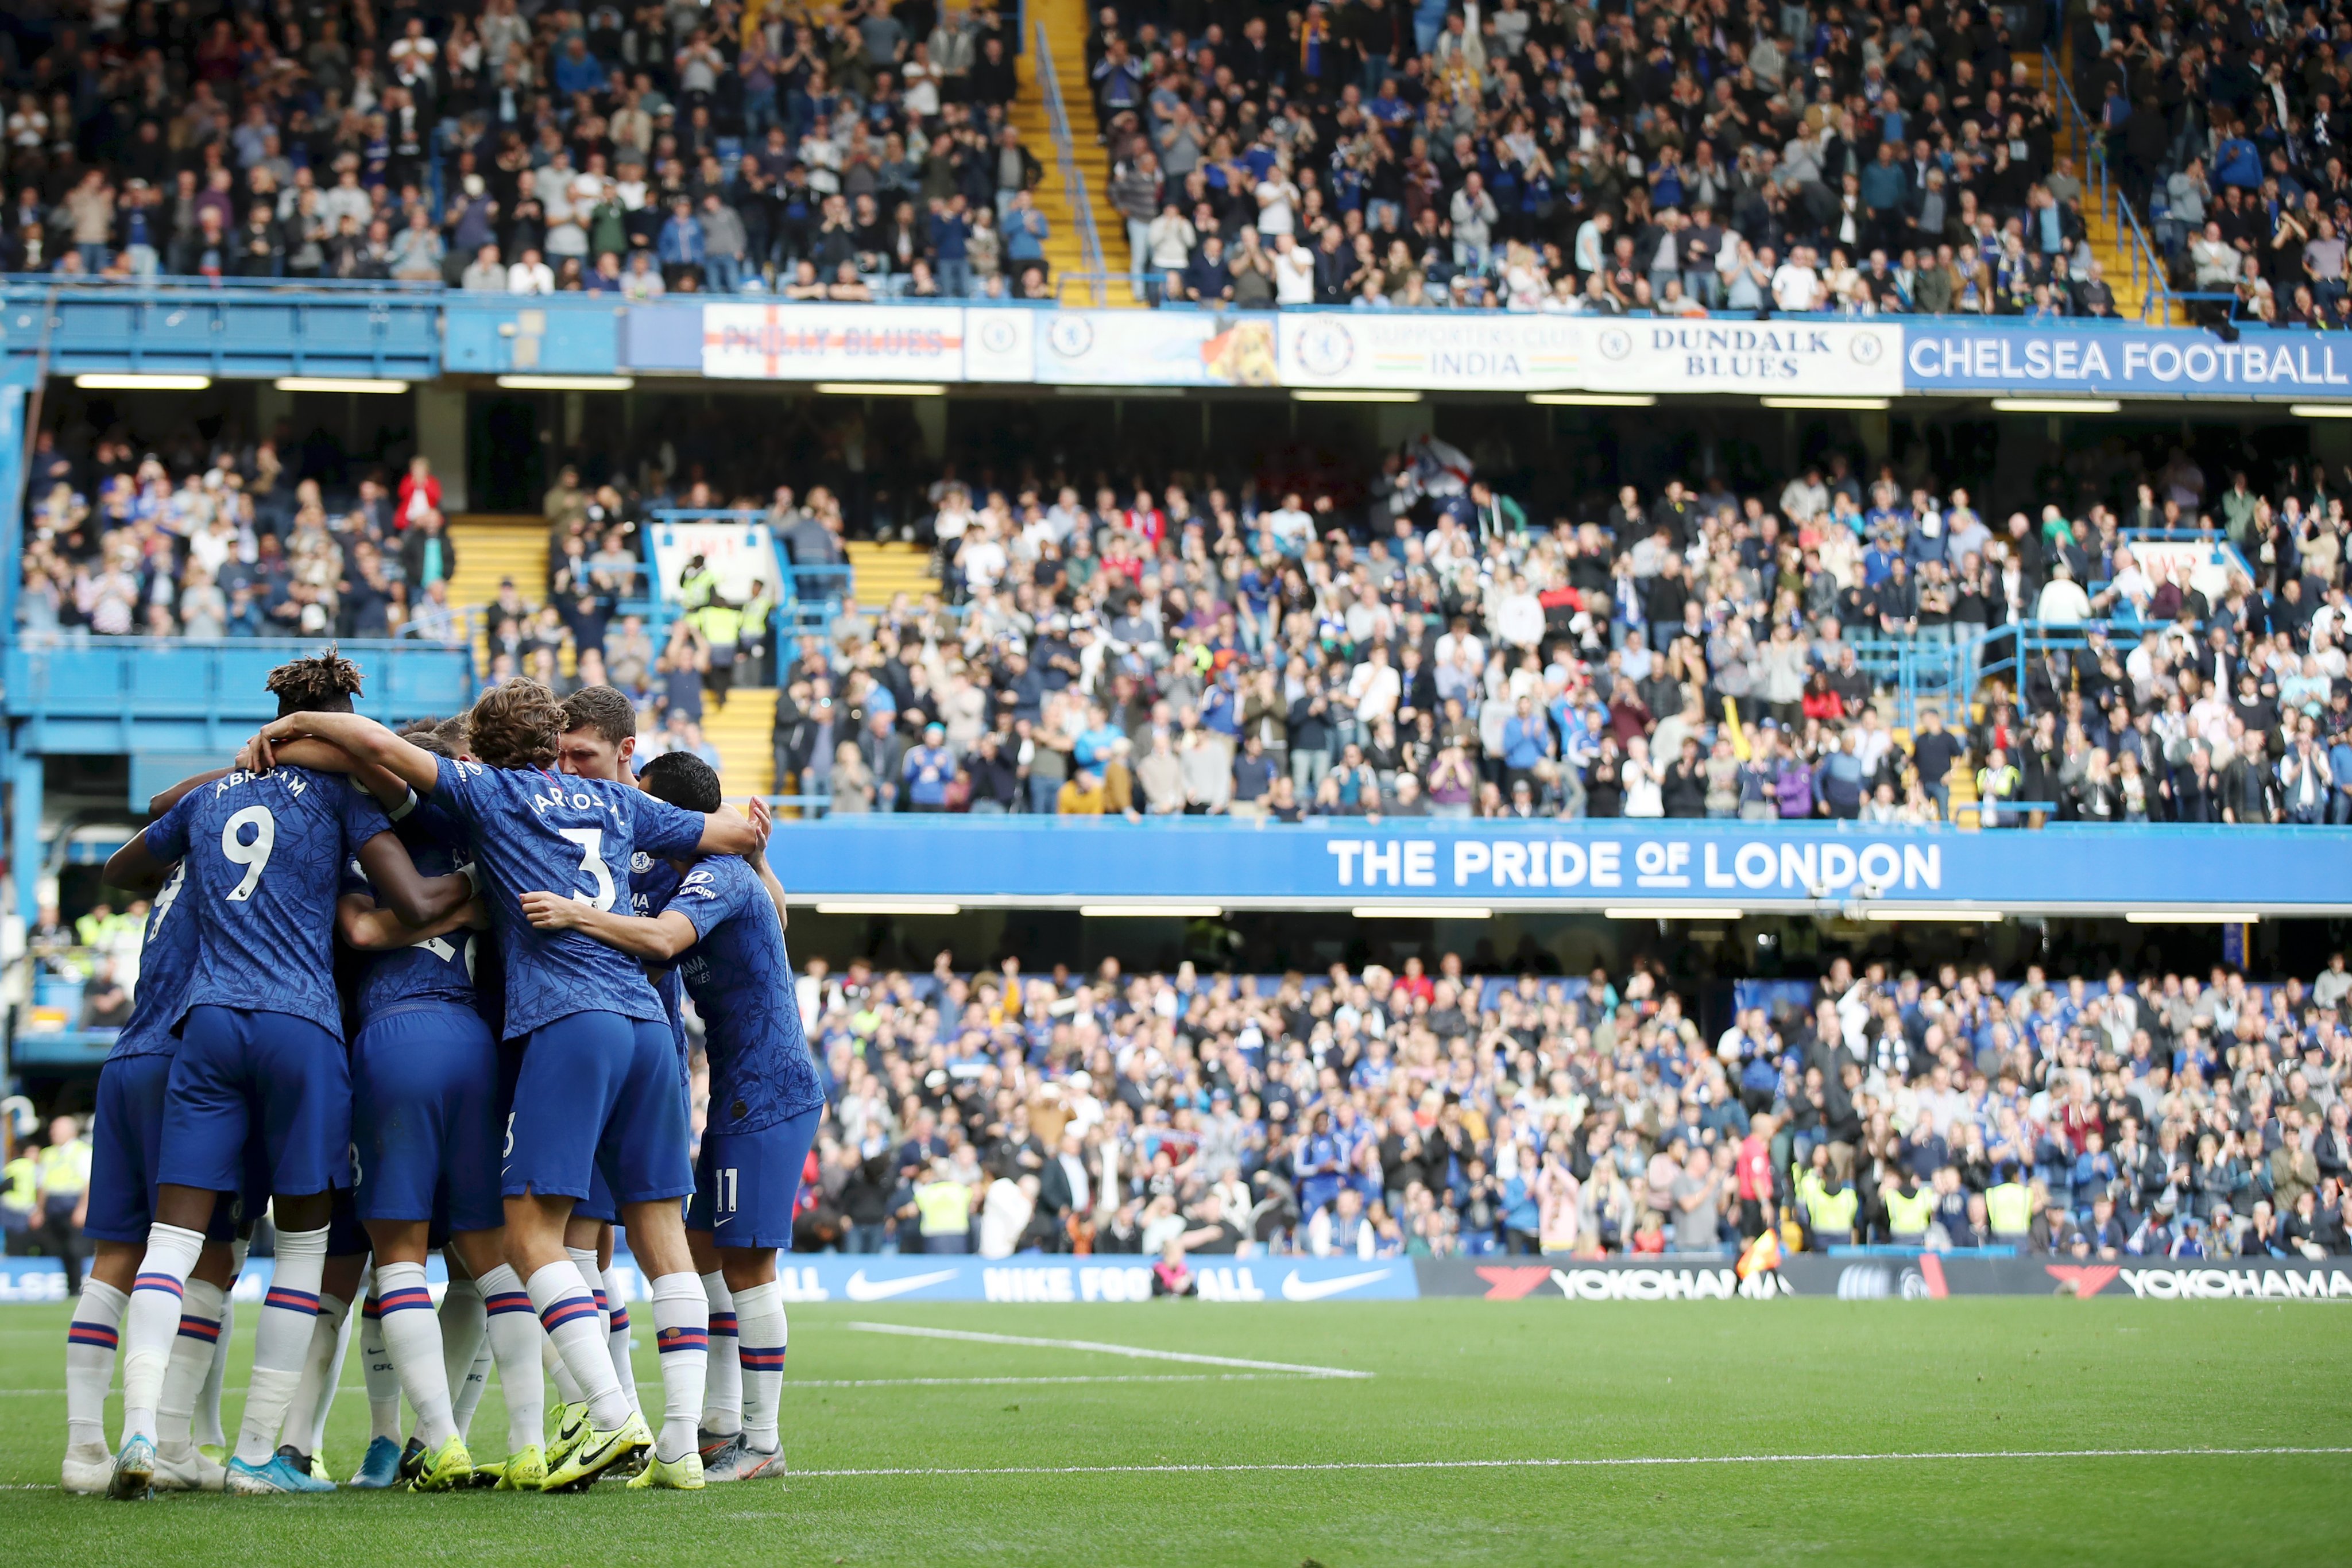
x=19, y=1179
x=1909, y=1215
x=946, y=1207
x=1831, y=1213
x=63, y=1169
x=2008, y=1209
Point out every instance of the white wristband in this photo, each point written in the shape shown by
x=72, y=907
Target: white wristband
x=405, y=807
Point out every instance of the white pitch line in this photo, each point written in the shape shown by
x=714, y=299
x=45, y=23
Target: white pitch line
x=1621, y=1463
x=1625, y=1462
x=1099, y=1377
x=1100, y=1348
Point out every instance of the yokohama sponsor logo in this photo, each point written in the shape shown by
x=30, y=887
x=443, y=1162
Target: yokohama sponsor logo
x=2220, y=1284
x=1664, y=1284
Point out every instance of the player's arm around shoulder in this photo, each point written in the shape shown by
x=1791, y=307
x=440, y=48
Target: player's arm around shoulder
x=367, y=928
x=361, y=739
x=662, y=936
x=144, y=862
x=414, y=899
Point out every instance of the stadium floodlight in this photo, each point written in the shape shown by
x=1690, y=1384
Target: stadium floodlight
x=881, y=389
x=362, y=384
x=1593, y=399
x=2320, y=410
x=1945, y=913
x=886, y=907
x=1349, y=394
x=2057, y=405
x=1864, y=404
x=1151, y=911
x=110, y=381
x=1673, y=912
x=1402, y=910
x=2192, y=917
x=567, y=384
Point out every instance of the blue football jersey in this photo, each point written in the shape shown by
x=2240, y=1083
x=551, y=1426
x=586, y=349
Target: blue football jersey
x=439, y=968
x=538, y=832
x=265, y=855
x=165, y=960
x=651, y=883
x=741, y=982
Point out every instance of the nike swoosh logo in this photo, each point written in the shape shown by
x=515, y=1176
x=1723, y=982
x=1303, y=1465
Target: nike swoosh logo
x=861, y=1289
x=1294, y=1288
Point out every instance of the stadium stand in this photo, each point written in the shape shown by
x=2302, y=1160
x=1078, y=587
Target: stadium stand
x=2159, y=645
x=1681, y=160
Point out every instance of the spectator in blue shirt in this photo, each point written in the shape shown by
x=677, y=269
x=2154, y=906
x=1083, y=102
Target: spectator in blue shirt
x=680, y=244
x=928, y=769
x=951, y=227
x=1025, y=229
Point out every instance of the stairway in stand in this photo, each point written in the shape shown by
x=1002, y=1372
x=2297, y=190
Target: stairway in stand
x=743, y=732
x=490, y=548
x=883, y=571
x=1066, y=29
x=2111, y=241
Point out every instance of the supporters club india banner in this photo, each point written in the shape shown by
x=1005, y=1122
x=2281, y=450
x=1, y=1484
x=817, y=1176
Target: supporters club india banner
x=1475, y=352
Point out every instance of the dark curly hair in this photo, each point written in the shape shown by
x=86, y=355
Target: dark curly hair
x=515, y=725
x=324, y=684
x=683, y=780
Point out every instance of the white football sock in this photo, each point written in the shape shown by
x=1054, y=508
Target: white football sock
x=722, y=1397
x=152, y=1321
x=201, y=1311
x=331, y=1381
x=462, y=1345
x=377, y=1371
x=567, y=1387
x=208, y=1433
x=761, y=1311
x=288, y=1314
x=584, y=1260
x=512, y=1329
x=412, y=1335
x=91, y=1342
x=567, y=1309
x=682, y=1334
x=467, y=1396
x=312, y=1385
x=617, y=1336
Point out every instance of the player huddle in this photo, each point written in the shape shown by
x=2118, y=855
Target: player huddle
x=423, y=990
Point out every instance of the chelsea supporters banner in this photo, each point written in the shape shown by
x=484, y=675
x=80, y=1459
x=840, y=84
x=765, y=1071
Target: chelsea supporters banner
x=1515, y=352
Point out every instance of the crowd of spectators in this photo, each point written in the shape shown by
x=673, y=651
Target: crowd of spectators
x=1179, y=648
x=523, y=147
x=1677, y=159
x=1880, y=157
x=2226, y=127
x=1422, y=647
x=1422, y=1113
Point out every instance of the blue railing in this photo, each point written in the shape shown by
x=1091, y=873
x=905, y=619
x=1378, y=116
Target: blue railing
x=133, y=679
x=1065, y=162
x=352, y=330
x=2149, y=277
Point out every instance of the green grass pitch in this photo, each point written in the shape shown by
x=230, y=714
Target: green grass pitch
x=1451, y=1381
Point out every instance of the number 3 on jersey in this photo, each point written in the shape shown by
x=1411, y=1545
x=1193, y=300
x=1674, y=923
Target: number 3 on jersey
x=252, y=855
x=591, y=864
